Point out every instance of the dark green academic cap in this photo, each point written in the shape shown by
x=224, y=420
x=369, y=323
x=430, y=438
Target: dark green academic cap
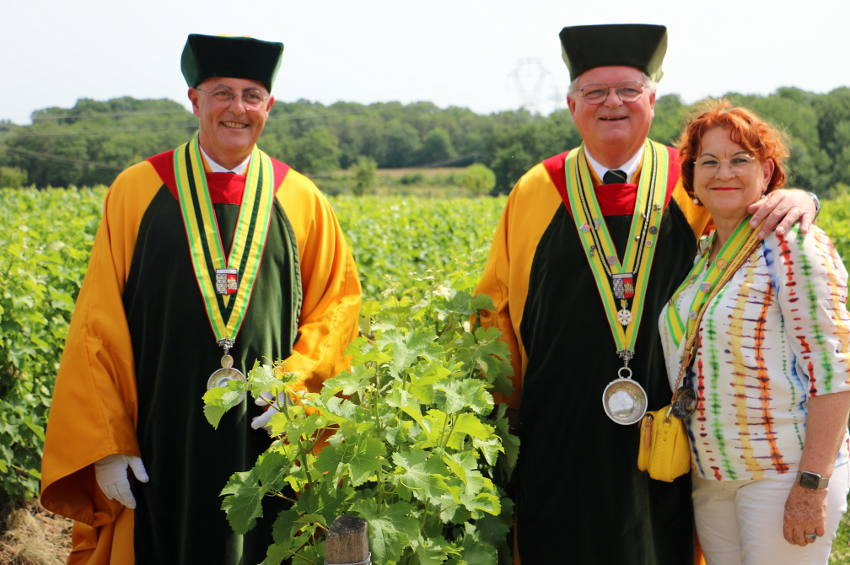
x=206, y=56
x=641, y=46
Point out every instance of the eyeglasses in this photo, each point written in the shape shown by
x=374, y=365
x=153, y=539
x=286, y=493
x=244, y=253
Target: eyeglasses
x=251, y=97
x=709, y=165
x=626, y=91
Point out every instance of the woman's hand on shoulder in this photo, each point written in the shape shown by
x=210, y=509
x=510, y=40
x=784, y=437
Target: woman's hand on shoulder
x=781, y=209
x=805, y=513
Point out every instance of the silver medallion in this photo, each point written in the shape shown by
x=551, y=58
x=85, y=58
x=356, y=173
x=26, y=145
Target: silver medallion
x=624, y=400
x=220, y=377
x=624, y=316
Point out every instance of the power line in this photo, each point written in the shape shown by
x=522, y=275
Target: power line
x=105, y=115
x=105, y=131
x=59, y=158
x=190, y=124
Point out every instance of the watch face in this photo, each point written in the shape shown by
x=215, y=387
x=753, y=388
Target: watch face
x=809, y=480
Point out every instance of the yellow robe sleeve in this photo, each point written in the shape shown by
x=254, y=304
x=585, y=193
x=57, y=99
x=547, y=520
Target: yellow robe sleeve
x=94, y=411
x=531, y=205
x=330, y=287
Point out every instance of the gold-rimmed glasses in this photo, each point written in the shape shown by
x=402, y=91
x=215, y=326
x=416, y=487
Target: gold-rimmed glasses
x=709, y=165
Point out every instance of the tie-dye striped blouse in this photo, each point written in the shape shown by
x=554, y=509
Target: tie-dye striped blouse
x=776, y=335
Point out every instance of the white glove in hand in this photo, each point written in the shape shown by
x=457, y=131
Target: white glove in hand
x=111, y=476
x=265, y=399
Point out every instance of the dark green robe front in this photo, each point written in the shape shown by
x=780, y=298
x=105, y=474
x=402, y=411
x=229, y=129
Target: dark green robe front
x=580, y=489
x=178, y=519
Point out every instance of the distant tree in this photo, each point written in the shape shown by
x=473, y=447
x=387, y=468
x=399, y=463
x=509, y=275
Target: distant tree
x=841, y=159
x=669, y=120
x=437, y=146
x=317, y=151
x=402, y=144
x=509, y=164
x=89, y=142
x=364, y=175
x=478, y=179
x=12, y=177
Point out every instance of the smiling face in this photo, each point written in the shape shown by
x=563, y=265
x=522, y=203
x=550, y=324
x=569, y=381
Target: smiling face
x=228, y=130
x=727, y=178
x=612, y=130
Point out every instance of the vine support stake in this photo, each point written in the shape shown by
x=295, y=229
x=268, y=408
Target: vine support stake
x=347, y=542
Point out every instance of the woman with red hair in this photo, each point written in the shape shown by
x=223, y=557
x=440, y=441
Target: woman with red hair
x=770, y=376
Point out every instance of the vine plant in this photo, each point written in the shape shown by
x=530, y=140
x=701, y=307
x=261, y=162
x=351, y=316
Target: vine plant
x=409, y=439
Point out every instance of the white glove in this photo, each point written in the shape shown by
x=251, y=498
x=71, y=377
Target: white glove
x=111, y=476
x=265, y=399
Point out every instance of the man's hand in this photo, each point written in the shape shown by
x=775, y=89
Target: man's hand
x=111, y=476
x=781, y=209
x=265, y=399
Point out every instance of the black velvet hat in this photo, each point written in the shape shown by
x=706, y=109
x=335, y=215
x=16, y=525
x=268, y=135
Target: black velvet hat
x=206, y=56
x=641, y=46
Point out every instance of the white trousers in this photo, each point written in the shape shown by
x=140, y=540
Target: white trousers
x=740, y=522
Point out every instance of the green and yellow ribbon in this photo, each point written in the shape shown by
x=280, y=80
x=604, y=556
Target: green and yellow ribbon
x=640, y=249
x=225, y=312
x=743, y=238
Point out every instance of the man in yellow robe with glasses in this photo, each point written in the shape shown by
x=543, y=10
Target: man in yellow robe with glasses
x=209, y=257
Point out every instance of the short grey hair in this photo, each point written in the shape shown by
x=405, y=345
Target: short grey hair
x=650, y=84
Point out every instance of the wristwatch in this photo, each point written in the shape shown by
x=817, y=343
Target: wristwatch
x=811, y=481
x=816, y=200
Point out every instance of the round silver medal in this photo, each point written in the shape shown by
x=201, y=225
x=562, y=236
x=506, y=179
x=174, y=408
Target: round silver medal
x=220, y=377
x=624, y=400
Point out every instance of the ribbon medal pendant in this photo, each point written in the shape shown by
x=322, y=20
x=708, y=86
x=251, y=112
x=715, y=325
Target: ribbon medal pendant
x=226, y=281
x=624, y=285
x=221, y=377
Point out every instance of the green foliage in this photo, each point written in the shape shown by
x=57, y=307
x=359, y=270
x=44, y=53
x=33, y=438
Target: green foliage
x=364, y=175
x=834, y=218
x=412, y=438
x=670, y=118
x=414, y=242
x=12, y=177
x=89, y=143
x=437, y=146
x=478, y=179
x=44, y=247
x=317, y=151
x=412, y=178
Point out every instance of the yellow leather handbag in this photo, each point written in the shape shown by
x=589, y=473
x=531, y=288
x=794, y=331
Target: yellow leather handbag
x=664, y=448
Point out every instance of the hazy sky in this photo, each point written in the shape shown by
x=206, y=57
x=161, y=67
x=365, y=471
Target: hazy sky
x=484, y=55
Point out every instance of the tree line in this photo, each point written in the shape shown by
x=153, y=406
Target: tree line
x=90, y=142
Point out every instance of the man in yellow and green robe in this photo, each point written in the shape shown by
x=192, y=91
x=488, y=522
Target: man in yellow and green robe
x=127, y=410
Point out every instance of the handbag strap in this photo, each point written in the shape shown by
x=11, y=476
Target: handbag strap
x=692, y=332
